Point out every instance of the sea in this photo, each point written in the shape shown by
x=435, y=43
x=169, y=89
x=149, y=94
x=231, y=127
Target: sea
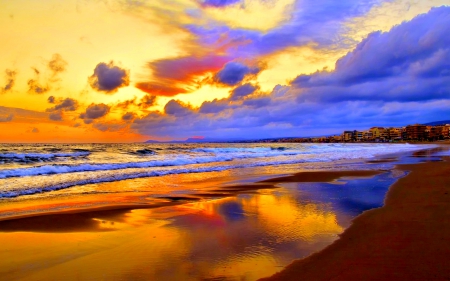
x=27, y=169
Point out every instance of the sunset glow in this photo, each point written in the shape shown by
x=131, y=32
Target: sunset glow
x=129, y=71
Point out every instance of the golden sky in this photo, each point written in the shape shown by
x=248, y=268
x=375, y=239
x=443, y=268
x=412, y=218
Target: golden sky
x=72, y=70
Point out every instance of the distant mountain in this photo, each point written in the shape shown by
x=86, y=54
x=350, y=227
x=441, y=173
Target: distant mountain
x=434, y=123
x=152, y=141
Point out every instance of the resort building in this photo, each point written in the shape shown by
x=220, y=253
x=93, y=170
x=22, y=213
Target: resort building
x=446, y=131
x=358, y=135
x=416, y=132
x=394, y=133
x=347, y=136
x=378, y=133
x=367, y=135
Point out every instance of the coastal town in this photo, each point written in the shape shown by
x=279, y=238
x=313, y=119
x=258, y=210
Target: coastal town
x=409, y=133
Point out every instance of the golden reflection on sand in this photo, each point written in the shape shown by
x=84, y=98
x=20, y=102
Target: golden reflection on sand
x=289, y=220
x=204, y=239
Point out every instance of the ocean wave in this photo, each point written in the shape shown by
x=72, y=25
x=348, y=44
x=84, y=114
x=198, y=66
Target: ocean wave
x=90, y=173
x=38, y=157
x=227, y=154
x=144, y=151
x=61, y=169
x=134, y=175
x=178, y=161
x=237, y=149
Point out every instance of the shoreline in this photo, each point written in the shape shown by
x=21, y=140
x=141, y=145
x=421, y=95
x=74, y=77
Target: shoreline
x=406, y=239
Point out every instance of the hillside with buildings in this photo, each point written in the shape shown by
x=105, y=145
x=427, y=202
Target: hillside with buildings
x=416, y=132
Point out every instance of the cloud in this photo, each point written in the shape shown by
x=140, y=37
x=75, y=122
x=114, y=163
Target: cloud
x=144, y=103
x=57, y=112
x=37, y=88
x=233, y=73
x=127, y=103
x=7, y=118
x=109, y=126
x=10, y=80
x=219, y=3
x=394, y=78
x=67, y=104
x=109, y=78
x=180, y=75
x=129, y=116
x=56, y=115
x=258, y=102
x=309, y=23
x=22, y=115
x=174, y=107
x=147, y=101
x=242, y=91
x=94, y=111
x=411, y=62
x=57, y=65
x=214, y=106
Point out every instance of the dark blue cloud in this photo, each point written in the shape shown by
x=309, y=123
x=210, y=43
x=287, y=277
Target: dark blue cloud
x=95, y=111
x=258, y=102
x=109, y=78
x=67, y=104
x=411, y=62
x=233, y=73
x=242, y=91
x=56, y=115
x=219, y=3
x=129, y=116
x=214, y=106
x=174, y=107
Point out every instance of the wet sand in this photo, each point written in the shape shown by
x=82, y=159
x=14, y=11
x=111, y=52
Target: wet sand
x=406, y=239
x=219, y=232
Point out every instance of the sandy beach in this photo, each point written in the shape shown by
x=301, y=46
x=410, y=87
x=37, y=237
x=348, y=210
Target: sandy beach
x=406, y=239
x=231, y=229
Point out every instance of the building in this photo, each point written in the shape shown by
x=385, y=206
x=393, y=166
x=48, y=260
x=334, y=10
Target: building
x=416, y=132
x=394, y=133
x=358, y=135
x=367, y=135
x=347, y=136
x=446, y=131
x=435, y=133
x=378, y=133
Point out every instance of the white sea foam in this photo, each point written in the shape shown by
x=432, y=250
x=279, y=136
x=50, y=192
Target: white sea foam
x=35, y=157
x=177, y=161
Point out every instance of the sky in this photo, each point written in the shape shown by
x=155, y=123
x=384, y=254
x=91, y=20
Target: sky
x=134, y=70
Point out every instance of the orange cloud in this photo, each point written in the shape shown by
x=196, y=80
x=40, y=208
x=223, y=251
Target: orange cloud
x=180, y=75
